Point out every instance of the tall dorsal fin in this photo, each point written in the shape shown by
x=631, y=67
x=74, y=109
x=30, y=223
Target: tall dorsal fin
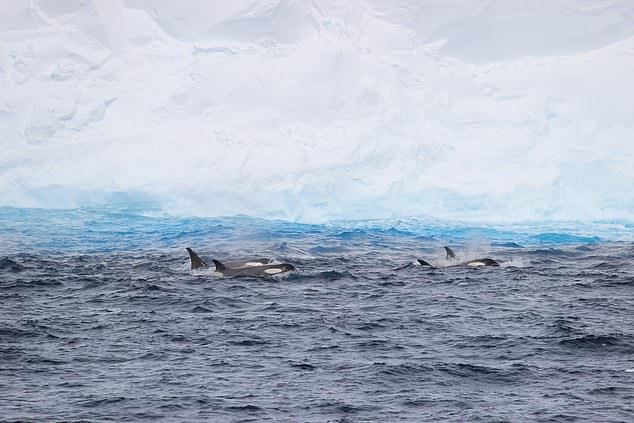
x=219, y=266
x=197, y=262
x=450, y=253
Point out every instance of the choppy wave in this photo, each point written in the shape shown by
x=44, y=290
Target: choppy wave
x=102, y=319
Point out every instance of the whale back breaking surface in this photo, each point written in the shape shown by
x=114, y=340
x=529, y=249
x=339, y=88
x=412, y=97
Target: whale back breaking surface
x=255, y=271
x=249, y=262
x=482, y=262
x=258, y=267
x=471, y=263
x=197, y=262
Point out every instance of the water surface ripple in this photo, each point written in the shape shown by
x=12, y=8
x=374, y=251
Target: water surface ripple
x=124, y=331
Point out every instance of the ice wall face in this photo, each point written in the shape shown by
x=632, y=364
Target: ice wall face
x=487, y=109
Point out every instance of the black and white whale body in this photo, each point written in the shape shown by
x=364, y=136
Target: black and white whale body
x=198, y=263
x=256, y=267
x=471, y=263
x=256, y=271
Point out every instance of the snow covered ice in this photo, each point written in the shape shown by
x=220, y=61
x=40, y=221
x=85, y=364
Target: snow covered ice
x=486, y=110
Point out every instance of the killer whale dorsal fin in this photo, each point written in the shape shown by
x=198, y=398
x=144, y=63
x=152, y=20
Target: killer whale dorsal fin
x=219, y=266
x=450, y=253
x=424, y=263
x=197, y=262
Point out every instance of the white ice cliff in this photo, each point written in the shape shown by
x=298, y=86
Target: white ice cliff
x=310, y=110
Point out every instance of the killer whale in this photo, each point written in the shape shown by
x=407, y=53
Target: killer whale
x=197, y=262
x=257, y=267
x=257, y=271
x=471, y=263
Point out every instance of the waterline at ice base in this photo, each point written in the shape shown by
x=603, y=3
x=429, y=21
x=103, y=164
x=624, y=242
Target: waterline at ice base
x=478, y=111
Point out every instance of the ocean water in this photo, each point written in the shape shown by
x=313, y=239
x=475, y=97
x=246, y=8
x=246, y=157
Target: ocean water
x=102, y=320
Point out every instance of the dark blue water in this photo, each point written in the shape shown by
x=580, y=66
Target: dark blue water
x=101, y=320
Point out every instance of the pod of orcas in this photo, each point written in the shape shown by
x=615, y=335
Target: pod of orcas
x=263, y=267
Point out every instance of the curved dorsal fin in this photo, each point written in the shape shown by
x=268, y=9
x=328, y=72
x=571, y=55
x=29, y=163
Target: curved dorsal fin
x=450, y=253
x=219, y=266
x=197, y=262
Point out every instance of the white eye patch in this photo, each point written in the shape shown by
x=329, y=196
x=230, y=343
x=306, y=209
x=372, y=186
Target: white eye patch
x=273, y=271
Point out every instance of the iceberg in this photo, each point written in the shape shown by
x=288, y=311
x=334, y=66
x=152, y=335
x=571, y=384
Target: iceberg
x=485, y=110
